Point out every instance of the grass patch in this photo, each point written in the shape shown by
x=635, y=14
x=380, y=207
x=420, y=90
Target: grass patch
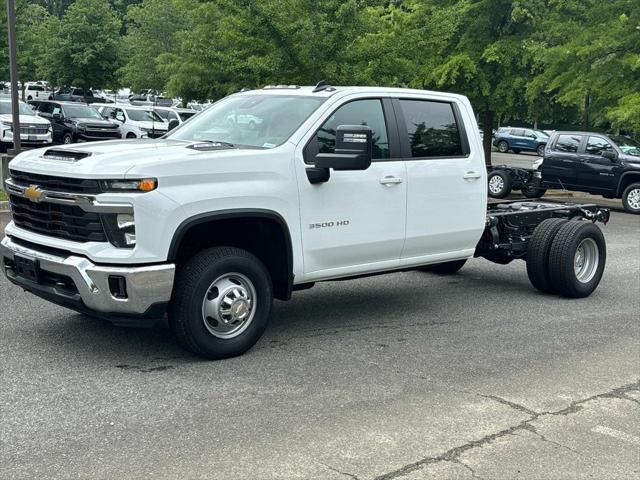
x=3, y=195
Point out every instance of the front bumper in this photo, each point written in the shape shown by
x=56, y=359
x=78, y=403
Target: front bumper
x=77, y=283
x=33, y=139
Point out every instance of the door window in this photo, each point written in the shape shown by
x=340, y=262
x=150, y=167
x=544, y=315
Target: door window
x=108, y=112
x=568, y=143
x=359, y=112
x=57, y=109
x=432, y=129
x=46, y=108
x=597, y=145
x=119, y=115
x=517, y=132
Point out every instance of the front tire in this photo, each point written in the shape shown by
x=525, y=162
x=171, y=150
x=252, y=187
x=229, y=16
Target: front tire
x=577, y=258
x=540, y=150
x=503, y=147
x=631, y=198
x=67, y=138
x=499, y=184
x=221, y=302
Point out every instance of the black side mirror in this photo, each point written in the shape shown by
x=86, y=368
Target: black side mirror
x=57, y=116
x=353, y=149
x=173, y=123
x=610, y=154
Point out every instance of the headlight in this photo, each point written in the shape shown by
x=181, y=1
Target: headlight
x=120, y=229
x=140, y=185
x=50, y=129
x=145, y=129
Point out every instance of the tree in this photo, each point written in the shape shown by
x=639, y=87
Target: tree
x=83, y=47
x=152, y=27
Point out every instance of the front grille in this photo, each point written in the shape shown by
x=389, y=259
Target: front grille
x=102, y=133
x=62, y=221
x=60, y=184
x=33, y=130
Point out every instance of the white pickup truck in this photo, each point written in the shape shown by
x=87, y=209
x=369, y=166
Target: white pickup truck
x=211, y=222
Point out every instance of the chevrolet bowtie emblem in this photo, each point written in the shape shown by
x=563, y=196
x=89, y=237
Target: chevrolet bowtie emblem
x=34, y=193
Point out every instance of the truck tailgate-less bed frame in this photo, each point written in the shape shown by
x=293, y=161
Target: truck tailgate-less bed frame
x=510, y=225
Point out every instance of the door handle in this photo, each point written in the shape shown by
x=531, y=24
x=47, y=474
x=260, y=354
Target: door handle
x=471, y=176
x=390, y=180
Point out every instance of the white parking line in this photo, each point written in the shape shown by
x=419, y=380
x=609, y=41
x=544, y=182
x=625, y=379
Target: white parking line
x=612, y=432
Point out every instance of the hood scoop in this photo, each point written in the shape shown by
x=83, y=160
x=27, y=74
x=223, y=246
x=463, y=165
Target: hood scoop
x=205, y=146
x=65, y=155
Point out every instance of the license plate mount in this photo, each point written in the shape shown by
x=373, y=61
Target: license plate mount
x=27, y=268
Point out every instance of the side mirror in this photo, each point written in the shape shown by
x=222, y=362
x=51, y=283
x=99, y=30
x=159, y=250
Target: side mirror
x=610, y=154
x=57, y=116
x=353, y=149
x=173, y=123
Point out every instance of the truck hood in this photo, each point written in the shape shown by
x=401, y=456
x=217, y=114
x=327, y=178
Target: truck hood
x=25, y=119
x=112, y=159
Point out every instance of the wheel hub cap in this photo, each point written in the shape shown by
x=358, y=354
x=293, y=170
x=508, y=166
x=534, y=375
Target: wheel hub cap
x=496, y=184
x=228, y=305
x=585, y=260
x=633, y=199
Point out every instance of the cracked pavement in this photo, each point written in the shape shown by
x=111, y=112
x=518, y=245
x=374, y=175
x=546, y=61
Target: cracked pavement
x=407, y=376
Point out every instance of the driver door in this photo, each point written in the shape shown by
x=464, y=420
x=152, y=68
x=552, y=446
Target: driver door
x=354, y=222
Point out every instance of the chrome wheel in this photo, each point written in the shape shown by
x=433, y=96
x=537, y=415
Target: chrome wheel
x=496, y=184
x=503, y=147
x=229, y=305
x=633, y=198
x=67, y=139
x=585, y=261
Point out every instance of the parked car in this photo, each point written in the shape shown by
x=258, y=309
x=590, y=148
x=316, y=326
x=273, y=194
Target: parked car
x=172, y=113
x=75, y=122
x=74, y=95
x=150, y=100
x=34, y=131
x=599, y=164
x=35, y=91
x=213, y=222
x=135, y=121
x=520, y=139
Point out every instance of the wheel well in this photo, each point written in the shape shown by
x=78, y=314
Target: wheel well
x=627, y=180
x=266, y=236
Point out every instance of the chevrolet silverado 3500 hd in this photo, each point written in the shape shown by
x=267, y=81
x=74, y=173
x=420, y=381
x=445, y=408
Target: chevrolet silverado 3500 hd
x=213, y=221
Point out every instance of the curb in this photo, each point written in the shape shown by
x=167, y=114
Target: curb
x=4, y=206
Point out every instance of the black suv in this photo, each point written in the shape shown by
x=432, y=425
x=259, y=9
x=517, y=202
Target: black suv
x=594, y=163
x=73, y=122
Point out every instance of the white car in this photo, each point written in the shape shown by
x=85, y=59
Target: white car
x=36, y=91
x=173, y=113
x=214, y=221
x=34, y=131
x=135, y=122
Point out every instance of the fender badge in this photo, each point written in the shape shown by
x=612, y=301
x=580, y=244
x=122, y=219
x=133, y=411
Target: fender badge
x=34, y=193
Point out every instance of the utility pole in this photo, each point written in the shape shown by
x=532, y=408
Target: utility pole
x=13, y=68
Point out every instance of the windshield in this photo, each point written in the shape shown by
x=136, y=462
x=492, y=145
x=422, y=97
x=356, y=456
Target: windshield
x=23, y=108
x=627, y=145
x=264, y=121
x=80, y=111
x=540, y=133
x=143, y=115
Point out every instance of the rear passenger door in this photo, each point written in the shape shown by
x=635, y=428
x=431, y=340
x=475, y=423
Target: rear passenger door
x=596, y=172
x=561, y=160
x=447, y=189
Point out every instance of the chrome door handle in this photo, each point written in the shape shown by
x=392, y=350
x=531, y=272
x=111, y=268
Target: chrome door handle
x=390, y=180
x=471, y=176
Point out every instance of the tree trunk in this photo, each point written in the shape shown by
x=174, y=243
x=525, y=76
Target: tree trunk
x=487, y=131
x=585, y=119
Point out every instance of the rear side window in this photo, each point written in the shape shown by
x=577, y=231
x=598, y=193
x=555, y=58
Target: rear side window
x=517, y=132
x=432, y=129
x=46, y=108
x=568, y=143
x=597, y=145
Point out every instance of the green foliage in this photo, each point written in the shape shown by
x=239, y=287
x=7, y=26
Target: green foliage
x=568, y=61
x=85, y=51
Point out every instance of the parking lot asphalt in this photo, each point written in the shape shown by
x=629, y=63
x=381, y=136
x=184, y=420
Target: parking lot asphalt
x=408, y=376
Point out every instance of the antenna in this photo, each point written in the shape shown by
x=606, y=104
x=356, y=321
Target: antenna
x=321, y=86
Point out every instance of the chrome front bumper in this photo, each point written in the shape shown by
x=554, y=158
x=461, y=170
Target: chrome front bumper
x=146, y=286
